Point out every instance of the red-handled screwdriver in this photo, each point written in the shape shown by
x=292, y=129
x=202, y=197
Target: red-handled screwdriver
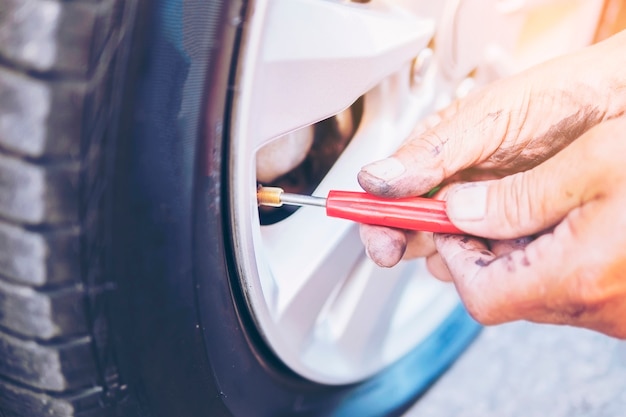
x=415, y=213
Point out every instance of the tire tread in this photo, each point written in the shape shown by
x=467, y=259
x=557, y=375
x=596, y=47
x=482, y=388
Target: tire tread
x=26, y=402
x=60, y=65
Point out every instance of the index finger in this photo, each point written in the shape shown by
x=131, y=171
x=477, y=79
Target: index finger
x=510, y=125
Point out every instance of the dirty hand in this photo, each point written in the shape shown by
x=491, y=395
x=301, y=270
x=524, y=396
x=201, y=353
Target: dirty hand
x=570, y=274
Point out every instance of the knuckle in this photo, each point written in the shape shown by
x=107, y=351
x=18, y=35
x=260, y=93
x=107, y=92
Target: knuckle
x=431, y=143
x=517, y=210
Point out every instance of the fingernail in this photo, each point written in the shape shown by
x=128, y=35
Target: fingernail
x=385, y=169
x=467, y=202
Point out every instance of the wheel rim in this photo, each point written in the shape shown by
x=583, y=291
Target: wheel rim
x=327, y=311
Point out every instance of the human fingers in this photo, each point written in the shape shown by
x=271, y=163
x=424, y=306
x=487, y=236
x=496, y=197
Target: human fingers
x=386, y=247
x=508, y=126
x=437, y=267
x=529, y=202
x=383, y=245
x=573, y=274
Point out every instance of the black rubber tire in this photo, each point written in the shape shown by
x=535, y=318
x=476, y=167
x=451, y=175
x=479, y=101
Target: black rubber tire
x=62, y=67
x=119, y=295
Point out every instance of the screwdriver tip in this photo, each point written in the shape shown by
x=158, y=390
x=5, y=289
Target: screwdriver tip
x=269, y=196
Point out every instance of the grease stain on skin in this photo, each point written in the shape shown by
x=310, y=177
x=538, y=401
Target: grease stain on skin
x=495, y=115
x=373, y=184
x=405, y=184
x=575, y=311
x=525, y=261
x=483, y=262
x=578, y=312
x=385, y=247
x=439, y=147
x=522, y=241
x=572, y=126
x=522, y=153
x=449, y=236
x=509, y=263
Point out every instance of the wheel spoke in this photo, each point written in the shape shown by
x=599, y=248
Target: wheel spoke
x=320, y=255
x=367, y=296
x=423, y=303
x=315, y=58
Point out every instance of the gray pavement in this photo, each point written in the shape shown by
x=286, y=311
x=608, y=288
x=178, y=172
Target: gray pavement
x=526, y=370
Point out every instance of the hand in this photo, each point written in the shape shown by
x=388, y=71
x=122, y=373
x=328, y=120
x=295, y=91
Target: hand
x=564, y=186
x=511, y=126
x=573, y=274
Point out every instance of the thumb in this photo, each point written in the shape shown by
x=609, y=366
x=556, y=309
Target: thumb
x=532, y=201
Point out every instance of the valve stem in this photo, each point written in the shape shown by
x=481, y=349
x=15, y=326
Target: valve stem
x=276, y=197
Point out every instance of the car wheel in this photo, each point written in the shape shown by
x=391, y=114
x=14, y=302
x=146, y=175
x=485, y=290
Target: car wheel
x=138, y=276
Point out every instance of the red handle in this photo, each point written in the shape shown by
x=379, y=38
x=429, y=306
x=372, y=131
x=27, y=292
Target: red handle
x=416, y=213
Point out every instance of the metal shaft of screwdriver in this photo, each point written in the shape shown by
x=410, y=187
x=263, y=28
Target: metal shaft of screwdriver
x=302, y=200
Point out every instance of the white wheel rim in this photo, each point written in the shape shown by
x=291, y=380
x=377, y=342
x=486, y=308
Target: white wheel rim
x=325, y=310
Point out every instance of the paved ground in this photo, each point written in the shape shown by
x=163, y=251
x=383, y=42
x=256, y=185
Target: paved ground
x=527, y=370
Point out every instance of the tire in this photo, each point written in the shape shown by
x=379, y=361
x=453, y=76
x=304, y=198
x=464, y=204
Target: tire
x=186, y=310
x=62, y=67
